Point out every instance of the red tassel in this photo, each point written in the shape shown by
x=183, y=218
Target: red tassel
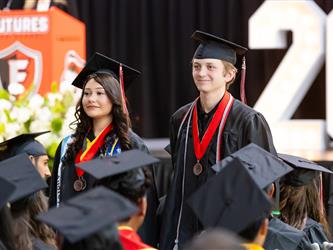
x=122, y=88
x=242, y=84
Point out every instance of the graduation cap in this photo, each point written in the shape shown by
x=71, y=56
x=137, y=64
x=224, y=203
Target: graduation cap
x=21, y=172
x=167, y=148
x=24, y=143
x=113, y=165
x=230, y=200
x=6, y=190
x=304, y=170
x=215, y=47
x=99, y=63
x=218, y=48
x=263, y=166
x=88, y=213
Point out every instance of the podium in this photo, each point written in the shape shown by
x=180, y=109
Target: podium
x=38, y=49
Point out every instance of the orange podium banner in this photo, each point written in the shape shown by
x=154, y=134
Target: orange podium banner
x=40, y=48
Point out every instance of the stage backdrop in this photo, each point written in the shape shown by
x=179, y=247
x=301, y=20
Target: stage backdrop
x=154, y=37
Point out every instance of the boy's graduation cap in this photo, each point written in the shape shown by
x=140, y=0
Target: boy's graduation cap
x=304, y=170
x=217, y=48
x=264, y=167
x=24, y=143
x=230, y=200
x=6, y=190
x=21, y=172
x=99, y=63
x=88, y=213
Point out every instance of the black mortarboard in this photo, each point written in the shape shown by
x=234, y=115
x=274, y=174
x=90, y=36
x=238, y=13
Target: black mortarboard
x=6, y=190
x=88, y=213
x=168, y=148
x=215, y=47
x=124, y=167
x=102, y=63
x=264, y=167
x=21, y=172
x=125, y=161
x=24, y=143
x=304, y=170
x=230, y=200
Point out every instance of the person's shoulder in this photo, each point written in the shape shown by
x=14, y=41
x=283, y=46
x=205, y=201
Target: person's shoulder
x=245, y=112
x=179, y=114
x=136, y=141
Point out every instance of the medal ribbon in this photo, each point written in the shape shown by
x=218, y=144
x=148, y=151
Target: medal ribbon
x=200, y=147
x=91, y=149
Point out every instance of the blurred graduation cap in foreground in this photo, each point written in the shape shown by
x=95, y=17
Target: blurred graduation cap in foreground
x=264, y=167
x=230, y=200
x=128, y=163
x=6, y=190
x=88, y=213
x=21, y=172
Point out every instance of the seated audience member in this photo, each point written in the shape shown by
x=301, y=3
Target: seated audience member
x=237, y=204
x=267, y=169
x=122, y=174
x=26, y=143
x=37, y=203
x=28, y=182
x=87, y=221
x=300, y=203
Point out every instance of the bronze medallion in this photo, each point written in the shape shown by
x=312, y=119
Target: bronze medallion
x=197, y=169
x=80, y=184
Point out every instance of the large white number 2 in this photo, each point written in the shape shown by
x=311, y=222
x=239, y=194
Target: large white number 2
x=293, y=77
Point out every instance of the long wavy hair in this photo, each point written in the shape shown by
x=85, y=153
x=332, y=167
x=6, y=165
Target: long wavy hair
x=26, y=227
x=120, y=120
x=298, y=203
x=316, y=209
x=38, y=229
x=293, y=205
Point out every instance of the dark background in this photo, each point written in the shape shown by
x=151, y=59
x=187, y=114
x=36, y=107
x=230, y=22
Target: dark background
x=154, y=37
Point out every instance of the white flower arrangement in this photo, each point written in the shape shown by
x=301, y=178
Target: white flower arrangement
x=36, y=113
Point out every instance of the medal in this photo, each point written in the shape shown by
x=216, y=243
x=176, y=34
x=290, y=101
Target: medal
x=197, y=169
x=218, y=120
x=80, y=184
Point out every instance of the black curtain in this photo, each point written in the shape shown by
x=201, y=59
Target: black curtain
x=154, y=37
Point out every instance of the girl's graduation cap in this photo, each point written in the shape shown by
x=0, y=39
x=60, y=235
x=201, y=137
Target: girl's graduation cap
x=218, y=48
x=88, y=213
x=304, y=170
x=21, y=172
x=230, y=200
x=99, y=63
x=24, y=143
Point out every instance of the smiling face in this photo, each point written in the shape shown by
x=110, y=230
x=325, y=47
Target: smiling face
x=96, y=104
x=209, y=75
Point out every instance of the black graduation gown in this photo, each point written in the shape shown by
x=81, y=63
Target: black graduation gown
x=148, y=231
x=282, y=236
x=315, y=232
x=243, y=126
